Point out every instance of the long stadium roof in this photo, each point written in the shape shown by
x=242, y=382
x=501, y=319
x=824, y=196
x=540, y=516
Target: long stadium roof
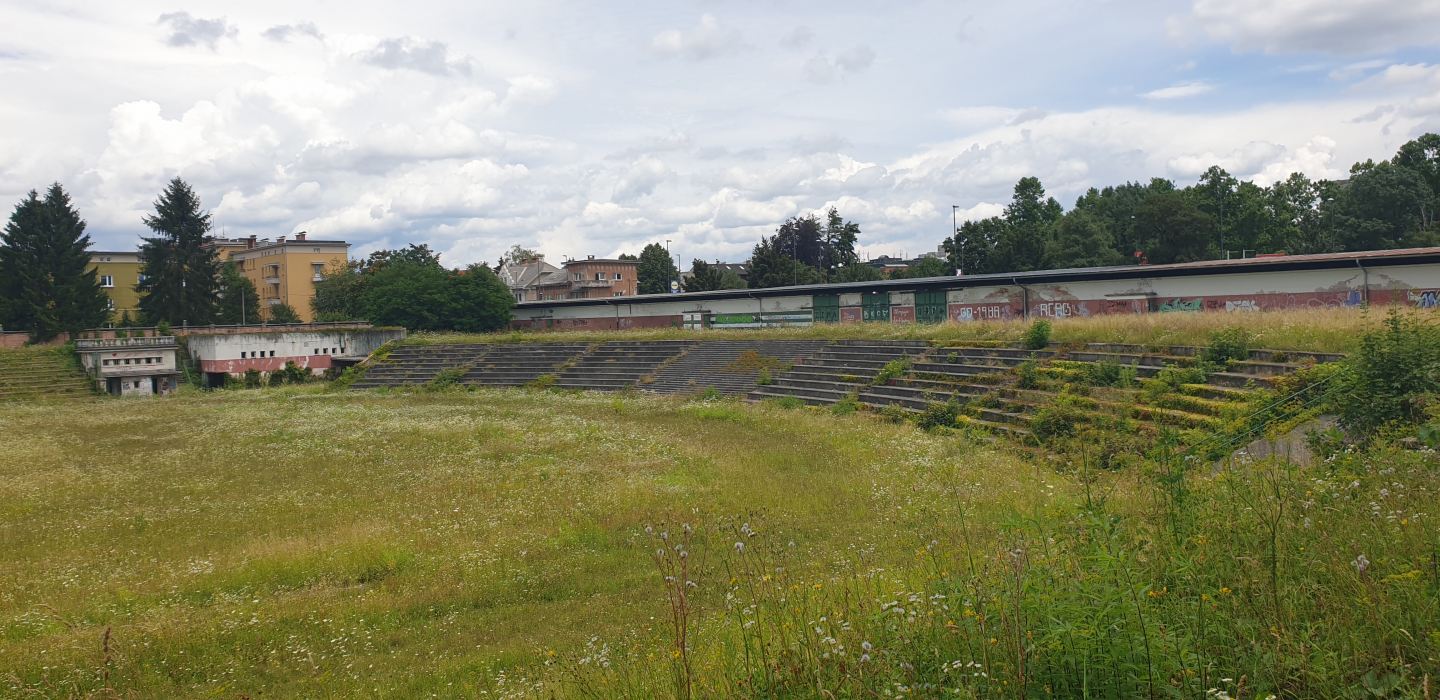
x=1325, y=261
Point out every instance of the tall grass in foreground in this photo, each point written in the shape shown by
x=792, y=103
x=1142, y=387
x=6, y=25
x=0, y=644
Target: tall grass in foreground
x=1257, y=580
x=524, y=544
x=1316, y=330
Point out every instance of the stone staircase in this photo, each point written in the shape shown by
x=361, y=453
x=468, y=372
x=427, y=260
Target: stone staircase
x=838, y=370
x=518, y=364
x=411, y=365
x=618, y=364
x=717, y=365
x=29, y=374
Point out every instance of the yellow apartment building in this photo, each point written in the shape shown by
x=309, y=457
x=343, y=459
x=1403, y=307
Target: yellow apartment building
x=283, y=271
x=119, y=272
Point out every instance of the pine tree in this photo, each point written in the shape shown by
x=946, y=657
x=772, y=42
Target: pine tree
x=48, y=285
x=181, y=276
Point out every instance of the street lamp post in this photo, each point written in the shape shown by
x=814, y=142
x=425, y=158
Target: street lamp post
x=955, y=238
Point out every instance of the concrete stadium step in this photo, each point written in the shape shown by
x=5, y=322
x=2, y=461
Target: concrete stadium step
x=808, y=383
x=814, y=397
x=956, y=370
x=616, y=365
x=410, y=365
x=939, y=354
x=1238, y=380
x=518, y=364
x=1214, y=393
x=1125, y=359
x=710, y=365
x=34, y=374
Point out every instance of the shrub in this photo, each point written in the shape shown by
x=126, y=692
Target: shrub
x=544, y=381
x=892, y=369
x=938, y=414
x=763, y=379
x=845, y=406
x=710, y=394
x=1225, y=345
x=787, y=402
x=1170, y=379
x=1055, y=420
x=252, y=379
x=1393, y=376
x=292, y=374
x=1037, y=336
x=448, y=377
x=1029, y=374
x=1102, y=373
x=893, y=414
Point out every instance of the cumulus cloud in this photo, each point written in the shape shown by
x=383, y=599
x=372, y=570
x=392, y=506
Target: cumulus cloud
x=822, y=69
x=1178, y=91
x=966, y=33
x=707, y=40
x=431, y=57
x=1029, y=115
x=187, y=30
x=798, y=37
x=1322, y=26
x=818, y=143
x=283, y=32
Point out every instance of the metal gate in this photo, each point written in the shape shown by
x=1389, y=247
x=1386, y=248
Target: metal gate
x=827, y=309
x=930, y=307
x=875, y=306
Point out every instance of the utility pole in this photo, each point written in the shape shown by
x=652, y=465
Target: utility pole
x=955, y=237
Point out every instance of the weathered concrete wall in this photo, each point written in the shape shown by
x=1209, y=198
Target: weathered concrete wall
x=267, y=352
x=1197, y=291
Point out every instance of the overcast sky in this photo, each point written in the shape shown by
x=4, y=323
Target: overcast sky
x=595, y=128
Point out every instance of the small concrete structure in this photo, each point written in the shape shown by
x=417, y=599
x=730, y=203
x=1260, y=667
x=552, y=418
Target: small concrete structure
x=223, y=354
x=131, y=366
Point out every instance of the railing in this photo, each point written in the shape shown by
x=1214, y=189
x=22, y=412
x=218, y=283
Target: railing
x=98, y=343
x=109, y=333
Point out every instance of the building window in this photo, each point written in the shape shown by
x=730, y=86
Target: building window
x=619, y=294
x=141, y=278
x=600, y=276
x=316, y=250
x=107, y=281
x=618, y=277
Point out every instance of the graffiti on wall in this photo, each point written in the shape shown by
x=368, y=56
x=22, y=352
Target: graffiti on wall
x=1196, y=304
x=981, y=312
x=902, y=314
x=1061, y=309
x=1424, y=298
x=850, y=315
x=1124, y=306
x=1241, y=305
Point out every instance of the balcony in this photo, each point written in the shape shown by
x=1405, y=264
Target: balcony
x=592, y=284
x=272, y=280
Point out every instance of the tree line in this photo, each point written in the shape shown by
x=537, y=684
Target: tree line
x=1382, y=205
x=48, y=286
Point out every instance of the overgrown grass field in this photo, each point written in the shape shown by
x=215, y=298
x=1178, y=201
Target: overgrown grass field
x=1315, y=330
x=299, y=542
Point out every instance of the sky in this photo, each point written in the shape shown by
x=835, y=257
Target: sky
x=582, y=129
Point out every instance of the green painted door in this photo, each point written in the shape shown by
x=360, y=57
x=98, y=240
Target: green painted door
x=875, y=306
x=930, y=307
x=827, y=309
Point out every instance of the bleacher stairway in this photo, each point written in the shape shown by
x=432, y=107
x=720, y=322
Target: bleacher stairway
x=662, y=367
x=29, y=374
